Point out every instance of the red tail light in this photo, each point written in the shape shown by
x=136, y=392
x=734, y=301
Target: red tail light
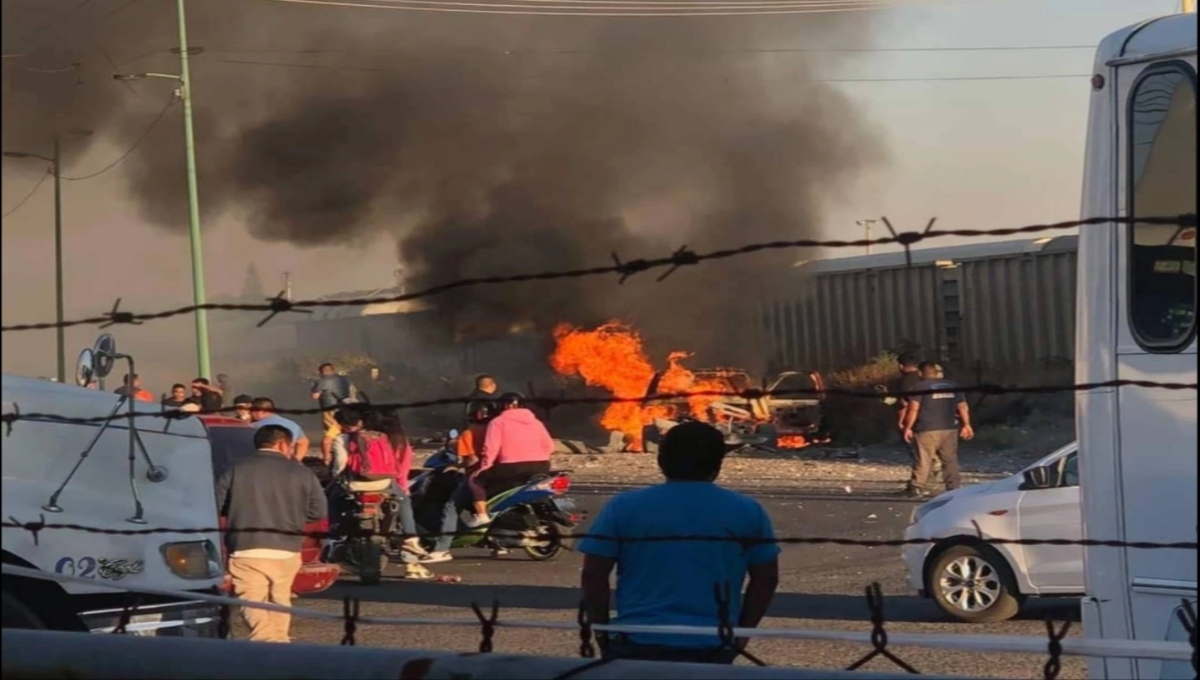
x=560, y=484
x=370, y=498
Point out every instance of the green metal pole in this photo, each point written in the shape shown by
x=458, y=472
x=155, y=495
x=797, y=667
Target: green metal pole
x=198, y=297
x=60, y=331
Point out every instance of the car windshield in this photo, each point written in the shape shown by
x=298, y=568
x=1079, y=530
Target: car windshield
x=229, y=444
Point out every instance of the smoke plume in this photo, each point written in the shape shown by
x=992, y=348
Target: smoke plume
x=495, y=145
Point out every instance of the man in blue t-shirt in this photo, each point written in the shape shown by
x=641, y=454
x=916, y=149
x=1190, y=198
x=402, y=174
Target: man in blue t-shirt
x=262, y=413
x=933, y=424
x=674, y=583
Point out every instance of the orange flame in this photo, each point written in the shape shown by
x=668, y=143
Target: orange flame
x=612, y=357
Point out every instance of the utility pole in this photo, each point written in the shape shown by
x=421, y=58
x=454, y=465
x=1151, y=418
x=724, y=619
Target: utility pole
x=866, y=224
x=204, y=363
x=60, y=332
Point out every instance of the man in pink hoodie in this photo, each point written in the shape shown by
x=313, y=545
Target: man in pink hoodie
x=517, y=446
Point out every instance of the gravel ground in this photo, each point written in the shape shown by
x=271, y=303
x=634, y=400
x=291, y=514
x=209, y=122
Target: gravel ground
x=821, y=588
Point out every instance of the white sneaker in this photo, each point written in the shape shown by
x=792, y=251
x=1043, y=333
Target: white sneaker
x=437, y=557
x=476, y=521
x=413, y=547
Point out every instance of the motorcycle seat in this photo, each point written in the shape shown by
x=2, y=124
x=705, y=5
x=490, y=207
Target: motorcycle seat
x=368, y=486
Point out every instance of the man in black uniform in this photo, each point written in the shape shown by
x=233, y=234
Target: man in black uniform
x=910, y=377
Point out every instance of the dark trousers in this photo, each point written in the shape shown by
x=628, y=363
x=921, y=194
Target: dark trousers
x=936, y=445
x=620, y=647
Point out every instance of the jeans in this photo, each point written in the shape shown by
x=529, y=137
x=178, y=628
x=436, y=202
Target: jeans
x=408, y=523
x=462, y=496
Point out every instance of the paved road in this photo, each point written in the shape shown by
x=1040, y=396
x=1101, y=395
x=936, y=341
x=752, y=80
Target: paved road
x=822, y=588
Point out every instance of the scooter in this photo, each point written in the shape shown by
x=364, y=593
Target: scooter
x=536, y=517
x=361, y=527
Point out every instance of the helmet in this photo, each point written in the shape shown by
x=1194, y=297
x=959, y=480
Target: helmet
x=510, y=400
x=480, y=412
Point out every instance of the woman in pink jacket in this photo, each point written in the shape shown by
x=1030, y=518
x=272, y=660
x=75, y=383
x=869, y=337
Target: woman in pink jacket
x=517, y=446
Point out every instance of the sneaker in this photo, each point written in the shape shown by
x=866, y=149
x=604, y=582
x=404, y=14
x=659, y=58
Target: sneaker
x=413, y=547
x=436, y=557
x=415, y=572
x=476, y=521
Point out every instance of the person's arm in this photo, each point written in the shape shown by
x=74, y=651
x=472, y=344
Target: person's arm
x=763, y=573
x=910, y=417
x=338, y=455
x=597, y=592
x=964, y=419
x=491, y=447
x=302, y=447
x=600, y=553
x=318, y=505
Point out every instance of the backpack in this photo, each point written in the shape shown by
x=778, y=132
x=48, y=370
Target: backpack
x=370, y=457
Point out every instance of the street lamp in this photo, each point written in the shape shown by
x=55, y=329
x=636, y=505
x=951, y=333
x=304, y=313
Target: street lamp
x=866, y=224
x=60, y=330
x=185, y=95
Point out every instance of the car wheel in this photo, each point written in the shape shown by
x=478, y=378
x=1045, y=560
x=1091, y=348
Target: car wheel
x=973, y=584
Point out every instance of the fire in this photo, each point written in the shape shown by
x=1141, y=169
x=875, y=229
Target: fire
x=612, y=357
x=792, y=441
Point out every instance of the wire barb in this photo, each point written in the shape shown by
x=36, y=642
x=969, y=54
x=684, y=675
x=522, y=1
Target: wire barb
x=628, y=269
x=879, y=636
x=1053, y=665
x=280, y=304
x=680, y=258
x=116, y=316
x=487, y=625
x=350, y=612
x=32, y=527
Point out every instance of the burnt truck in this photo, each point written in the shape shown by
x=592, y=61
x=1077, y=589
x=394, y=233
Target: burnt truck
x=787, y=416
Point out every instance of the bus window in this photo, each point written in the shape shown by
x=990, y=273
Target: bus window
x=1162, y=172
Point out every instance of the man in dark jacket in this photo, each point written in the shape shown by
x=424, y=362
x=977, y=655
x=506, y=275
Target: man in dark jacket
x=268, y=490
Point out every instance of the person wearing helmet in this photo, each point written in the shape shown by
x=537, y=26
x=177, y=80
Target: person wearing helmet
x=516, y=446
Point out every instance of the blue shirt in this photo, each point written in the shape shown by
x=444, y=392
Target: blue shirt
x=671, y=582
x=296, y=430
x=334, y=389
x=939, y=411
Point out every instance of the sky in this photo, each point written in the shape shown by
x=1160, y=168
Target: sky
x=973, y=153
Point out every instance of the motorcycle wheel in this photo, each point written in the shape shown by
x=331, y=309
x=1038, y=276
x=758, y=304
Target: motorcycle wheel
x=553, y=542
x=369, y=559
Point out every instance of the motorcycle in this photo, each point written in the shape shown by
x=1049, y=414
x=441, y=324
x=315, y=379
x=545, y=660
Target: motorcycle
x=365, y=519
x=536, y=517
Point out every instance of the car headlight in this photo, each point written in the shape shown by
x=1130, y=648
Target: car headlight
x=193, y=560
x=925, y=508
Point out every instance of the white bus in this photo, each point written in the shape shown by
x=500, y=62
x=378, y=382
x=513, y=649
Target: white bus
x=1137, y=321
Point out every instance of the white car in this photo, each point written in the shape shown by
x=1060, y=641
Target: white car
x=982, y=583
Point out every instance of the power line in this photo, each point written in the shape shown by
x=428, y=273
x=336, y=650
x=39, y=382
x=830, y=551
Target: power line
x=27, y=196
x=334, y=67
x=130, y=150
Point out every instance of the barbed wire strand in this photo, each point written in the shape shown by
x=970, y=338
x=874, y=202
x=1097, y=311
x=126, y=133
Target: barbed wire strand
x=682, y=257
x=41, y=525
x=1007, y=644
x=9, y=419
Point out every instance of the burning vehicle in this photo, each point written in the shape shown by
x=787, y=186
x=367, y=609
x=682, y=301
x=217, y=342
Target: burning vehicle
x=787, y=415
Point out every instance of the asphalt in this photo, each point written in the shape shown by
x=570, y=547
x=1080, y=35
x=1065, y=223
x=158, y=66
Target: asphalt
x=822, y=587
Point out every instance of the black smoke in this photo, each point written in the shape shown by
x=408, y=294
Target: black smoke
x=499, y=145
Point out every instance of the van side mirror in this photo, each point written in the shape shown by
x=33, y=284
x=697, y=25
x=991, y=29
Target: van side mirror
x=1044, y=477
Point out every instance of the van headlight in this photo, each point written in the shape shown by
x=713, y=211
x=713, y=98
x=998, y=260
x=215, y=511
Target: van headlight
x=924, y=509
x=193, y=560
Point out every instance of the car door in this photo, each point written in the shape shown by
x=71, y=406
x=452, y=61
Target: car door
x=1054, y=514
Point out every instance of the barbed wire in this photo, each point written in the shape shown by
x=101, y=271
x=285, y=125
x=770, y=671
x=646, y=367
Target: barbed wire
x=1055, y=646
x=682, y=257
x=36, y=527
x=9, y=419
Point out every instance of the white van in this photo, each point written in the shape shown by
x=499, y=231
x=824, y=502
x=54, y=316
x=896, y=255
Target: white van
x=982, y=583
x=96, y=476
